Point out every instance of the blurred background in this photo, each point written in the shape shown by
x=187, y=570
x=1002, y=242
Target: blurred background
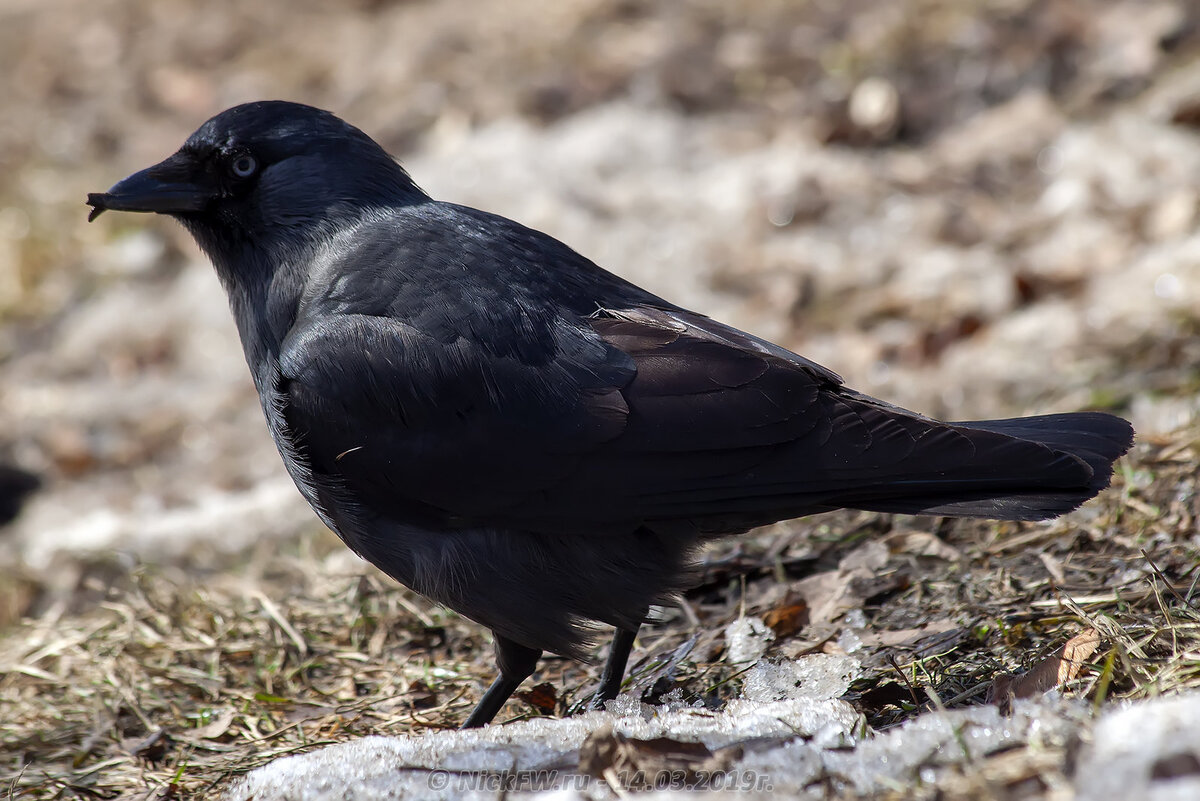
x=973, y=209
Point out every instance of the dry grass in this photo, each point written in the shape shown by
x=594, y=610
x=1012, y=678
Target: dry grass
x=167, y=683
x=173, y=682
x=1125, y=566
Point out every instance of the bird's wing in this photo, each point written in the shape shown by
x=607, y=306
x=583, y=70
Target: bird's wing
x=729, y=431
x=418, y=426
x=639, y=414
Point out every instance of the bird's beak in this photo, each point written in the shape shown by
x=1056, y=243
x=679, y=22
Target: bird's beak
x=169, y=187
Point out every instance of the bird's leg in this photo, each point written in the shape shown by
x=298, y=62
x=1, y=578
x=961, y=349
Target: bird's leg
x=516, y=663
x=614, y=668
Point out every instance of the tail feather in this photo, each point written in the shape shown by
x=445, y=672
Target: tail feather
x=1029, y=490
x=1097, y=438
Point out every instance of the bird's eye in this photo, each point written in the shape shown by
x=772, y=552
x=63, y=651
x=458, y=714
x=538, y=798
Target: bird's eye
x=243, y=166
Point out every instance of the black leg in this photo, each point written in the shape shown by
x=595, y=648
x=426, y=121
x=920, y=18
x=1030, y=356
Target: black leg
x=614, y=668
x=516, y=663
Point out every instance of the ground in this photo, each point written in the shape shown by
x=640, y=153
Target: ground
x=971, y=209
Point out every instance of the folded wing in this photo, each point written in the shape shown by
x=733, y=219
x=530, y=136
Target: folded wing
x=652, y=416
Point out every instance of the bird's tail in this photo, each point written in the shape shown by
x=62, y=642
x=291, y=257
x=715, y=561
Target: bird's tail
x=1026, y=468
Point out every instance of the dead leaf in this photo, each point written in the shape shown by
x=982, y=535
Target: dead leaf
x=1055, y=670
x=1187, y=113
x=214, y=728
x=631, y=764
x=788, y=617
x=301, y=713
x=543, y=697
x=831, y=594
x=1075, y=653
x=901, y=637
x=921, y=543
x=421, y=696
x=868, y=558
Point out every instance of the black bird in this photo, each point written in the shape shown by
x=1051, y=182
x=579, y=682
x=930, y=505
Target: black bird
x=506, y=428
x=15, y=486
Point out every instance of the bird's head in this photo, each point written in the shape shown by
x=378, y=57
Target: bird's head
x=265, y=171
